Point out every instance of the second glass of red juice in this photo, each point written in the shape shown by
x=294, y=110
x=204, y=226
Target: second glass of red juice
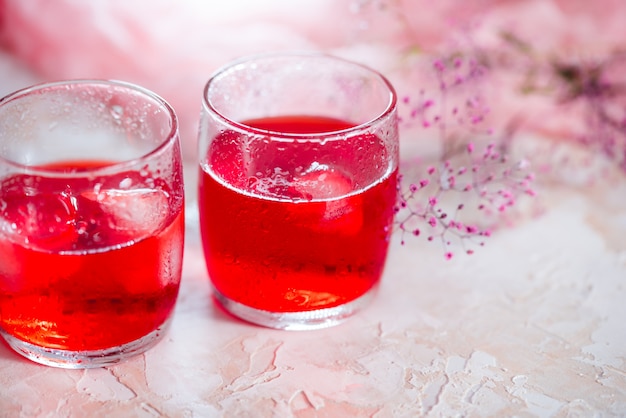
x=91, y=221
x=298, y=167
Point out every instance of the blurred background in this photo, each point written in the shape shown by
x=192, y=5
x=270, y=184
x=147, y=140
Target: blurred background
x=172, y=47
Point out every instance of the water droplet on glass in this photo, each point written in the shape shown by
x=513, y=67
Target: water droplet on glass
x=126, y=183
x=81, y=227
x=252, y=181
x=117, y=111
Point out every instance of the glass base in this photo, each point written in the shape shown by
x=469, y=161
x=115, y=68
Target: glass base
x=85, y=359
x=296, y=321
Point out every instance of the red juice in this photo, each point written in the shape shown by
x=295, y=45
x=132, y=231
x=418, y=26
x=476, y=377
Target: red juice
x=87, y=267
x=291, y=228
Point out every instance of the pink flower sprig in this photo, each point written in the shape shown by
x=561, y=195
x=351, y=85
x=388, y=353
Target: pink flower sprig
x=481, y=184
x=462, y=197
x=458, y=99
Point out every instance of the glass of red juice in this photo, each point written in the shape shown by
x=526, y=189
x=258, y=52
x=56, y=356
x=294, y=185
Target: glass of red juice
x=91, y=221
x=298, y=168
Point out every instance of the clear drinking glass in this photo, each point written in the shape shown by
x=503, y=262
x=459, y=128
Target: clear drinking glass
x=298, y=165
x=91, y=221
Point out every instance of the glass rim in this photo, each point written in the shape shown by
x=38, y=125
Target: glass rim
x=287, y=136
x=115, y=166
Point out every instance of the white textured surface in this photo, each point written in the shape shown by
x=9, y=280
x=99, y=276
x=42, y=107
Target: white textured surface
x=531, y=325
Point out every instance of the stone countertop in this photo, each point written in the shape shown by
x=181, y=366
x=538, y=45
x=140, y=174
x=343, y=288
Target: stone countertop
x=530, y=325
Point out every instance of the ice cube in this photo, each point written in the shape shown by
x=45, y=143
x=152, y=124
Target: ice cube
x=134, y=213
x=37, y=215
x=11, y=269
x=323, y=182
x=343, y=214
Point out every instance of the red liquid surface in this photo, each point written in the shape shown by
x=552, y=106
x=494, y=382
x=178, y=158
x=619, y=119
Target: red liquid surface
x=289, y=228
x=87, y=268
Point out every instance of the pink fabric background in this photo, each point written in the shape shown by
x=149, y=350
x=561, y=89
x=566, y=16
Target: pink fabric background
x=172, y=47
